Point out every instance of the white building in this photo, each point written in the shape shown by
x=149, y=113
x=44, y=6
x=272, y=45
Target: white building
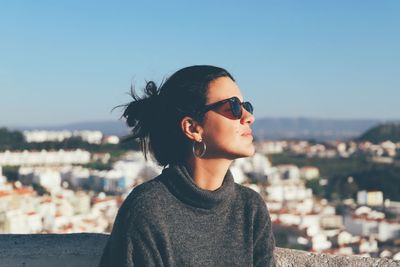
x=258, y=166
x=288, y=192
x=345, y=238
x=107, y=181
x=372, y=198
x=3, y=179
x=92, y=137
x=320, y=242
x=272, y=147
x=309, y=220
x=368, y=246
x=367, y=222
x=331, y=221
x=238, y=175
x=309, y=172
x=389, y=147
x=13, y=222
x=44, y=157
x=361, y=226
x=112, y=139
x=135, y=168
x=388, y=230
x=34, y=222
x=81, y=203
x=38, y=136
x=258, y=163
x=77, y=176
x=46, y=177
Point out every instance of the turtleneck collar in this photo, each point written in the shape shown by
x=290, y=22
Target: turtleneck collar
x=181, y=184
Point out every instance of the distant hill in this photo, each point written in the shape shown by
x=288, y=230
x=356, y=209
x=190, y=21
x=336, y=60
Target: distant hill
x=381, y=133
x=309, y=128
x=264, y=128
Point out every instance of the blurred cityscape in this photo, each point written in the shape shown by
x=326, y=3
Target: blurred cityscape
x=339, y=197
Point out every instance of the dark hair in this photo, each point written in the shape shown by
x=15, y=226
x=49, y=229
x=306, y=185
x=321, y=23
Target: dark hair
x=155, y=118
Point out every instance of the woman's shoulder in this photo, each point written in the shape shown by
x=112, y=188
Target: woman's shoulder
x=249, y=196
x=143, y=197
x=253, y=204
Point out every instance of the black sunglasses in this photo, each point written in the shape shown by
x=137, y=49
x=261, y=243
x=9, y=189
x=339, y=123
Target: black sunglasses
x=235, y=105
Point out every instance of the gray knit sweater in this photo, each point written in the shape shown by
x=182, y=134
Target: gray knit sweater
x=169, y=221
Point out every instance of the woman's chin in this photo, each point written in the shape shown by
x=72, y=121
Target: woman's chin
x=247, y=152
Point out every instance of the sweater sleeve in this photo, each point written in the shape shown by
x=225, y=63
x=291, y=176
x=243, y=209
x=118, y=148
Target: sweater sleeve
x=119, y=247
x=264, y=242
x=132, y=242
x=145, y=243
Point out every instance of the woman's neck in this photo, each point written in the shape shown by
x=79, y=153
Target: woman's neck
x=208, y=174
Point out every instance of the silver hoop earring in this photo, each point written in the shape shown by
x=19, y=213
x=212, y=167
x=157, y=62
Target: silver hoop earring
x=203, y=151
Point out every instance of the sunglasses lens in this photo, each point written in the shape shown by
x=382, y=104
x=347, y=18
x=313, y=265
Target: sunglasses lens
x=248, y=106
x=236, y=108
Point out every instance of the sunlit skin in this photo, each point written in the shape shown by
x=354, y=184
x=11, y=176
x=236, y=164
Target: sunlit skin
x=226, y=138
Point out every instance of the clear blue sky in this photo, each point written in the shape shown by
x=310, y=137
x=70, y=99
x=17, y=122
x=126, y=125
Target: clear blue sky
x=73, y=61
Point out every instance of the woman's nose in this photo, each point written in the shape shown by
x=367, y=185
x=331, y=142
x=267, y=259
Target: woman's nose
x=247, y=117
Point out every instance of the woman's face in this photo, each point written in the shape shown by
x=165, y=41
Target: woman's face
x=225, y=136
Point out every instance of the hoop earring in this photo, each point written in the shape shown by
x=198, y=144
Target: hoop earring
x=203, y=150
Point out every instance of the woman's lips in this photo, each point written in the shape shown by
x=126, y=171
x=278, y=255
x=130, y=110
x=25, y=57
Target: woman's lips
x=248, y=134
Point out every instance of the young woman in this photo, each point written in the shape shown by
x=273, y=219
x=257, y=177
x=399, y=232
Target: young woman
x=193, y=213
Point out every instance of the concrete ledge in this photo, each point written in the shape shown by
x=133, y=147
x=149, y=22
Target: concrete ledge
x=61, y=250
x=296, y=258
x=84, y=249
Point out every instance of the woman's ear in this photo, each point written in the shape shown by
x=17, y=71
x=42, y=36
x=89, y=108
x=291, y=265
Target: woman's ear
x=191, y=128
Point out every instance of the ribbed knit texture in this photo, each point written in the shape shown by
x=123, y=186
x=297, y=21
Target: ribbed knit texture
x=183, y=187
x=170, y=221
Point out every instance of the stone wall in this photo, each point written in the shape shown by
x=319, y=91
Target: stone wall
x=75, y=250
